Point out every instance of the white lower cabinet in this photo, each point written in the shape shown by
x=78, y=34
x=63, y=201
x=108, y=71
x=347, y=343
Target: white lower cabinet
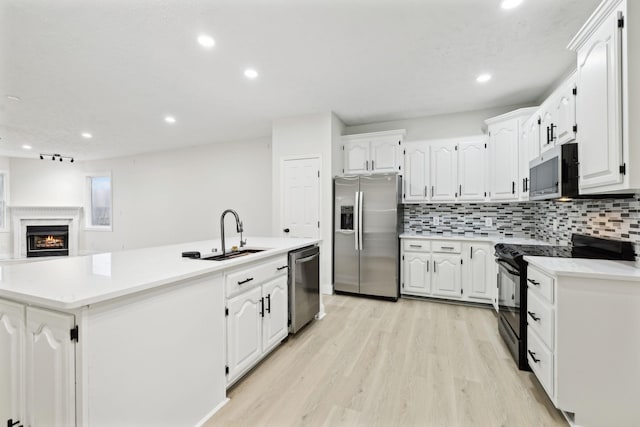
x=458, y=270
x=37, y=366
x=257, y=318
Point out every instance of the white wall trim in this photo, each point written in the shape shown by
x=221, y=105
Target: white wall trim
x=21, y=216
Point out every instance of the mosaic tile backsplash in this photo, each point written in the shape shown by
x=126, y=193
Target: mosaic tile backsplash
x=550, y=221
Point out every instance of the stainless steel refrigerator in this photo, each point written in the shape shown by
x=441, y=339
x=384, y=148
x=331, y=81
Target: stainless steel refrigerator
x=367, y=221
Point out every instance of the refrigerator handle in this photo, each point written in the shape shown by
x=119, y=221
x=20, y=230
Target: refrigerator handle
x=360, y=220
x=356, y=218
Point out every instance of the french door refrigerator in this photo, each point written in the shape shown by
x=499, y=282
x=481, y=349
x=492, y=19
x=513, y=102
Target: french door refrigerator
x=367, y=221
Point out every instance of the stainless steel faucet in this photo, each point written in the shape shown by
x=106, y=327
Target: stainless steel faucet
x=239, y=228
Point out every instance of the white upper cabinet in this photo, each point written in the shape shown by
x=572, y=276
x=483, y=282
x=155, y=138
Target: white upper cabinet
x=472, y=171
x=503, y=149
x=546, y=127
x=601, y=79
x=416, y=172
x=564, y=112
x=444, y=164
x=378, y=152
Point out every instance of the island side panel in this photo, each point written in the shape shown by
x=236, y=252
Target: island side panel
x=155, y=358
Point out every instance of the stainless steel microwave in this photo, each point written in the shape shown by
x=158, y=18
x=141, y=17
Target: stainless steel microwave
x=554, y=175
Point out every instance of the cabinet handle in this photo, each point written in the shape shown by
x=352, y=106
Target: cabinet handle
x=282, y=268
x=460, y=192
x=262, y=307
x=434, y=266
x=366, y=164
x=425, y=191
x=553, y=137
x=533, y=356
x=447, y=247
x=427, y=267
x=11, y=423
x=513, y=187
x=415, y=246
x=373, y=164
x=548, y=135
x=269, y=303
x=432, y=191
x=533, y=282
x=471, y=252
x=533, y=316
x=242, y=282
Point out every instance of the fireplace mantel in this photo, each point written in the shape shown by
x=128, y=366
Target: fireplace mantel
x=21, y=216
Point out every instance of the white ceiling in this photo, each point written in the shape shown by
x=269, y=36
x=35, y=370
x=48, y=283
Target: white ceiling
x=115, y=68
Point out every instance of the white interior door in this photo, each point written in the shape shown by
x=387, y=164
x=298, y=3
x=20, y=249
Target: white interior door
x=300, y=197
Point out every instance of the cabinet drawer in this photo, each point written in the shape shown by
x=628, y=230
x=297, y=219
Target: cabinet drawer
x=540, y=317
x=541, y=361
x=416, y=245
x=541, y=283
x=446, y=246
x=243, y=278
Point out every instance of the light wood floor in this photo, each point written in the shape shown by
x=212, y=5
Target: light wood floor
x=378, y=363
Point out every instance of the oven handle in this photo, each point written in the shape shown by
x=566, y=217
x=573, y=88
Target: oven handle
x=506, y=266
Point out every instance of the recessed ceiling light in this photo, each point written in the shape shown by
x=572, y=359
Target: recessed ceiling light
x=250, y=73
x=483, y=78
x=26, y=147
x=86, y=135
x=170, y=119
x=510, y=4
x=206, y=41
x=13, y=98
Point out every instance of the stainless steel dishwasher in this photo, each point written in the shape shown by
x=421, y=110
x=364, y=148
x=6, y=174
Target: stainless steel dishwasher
x=304, y=286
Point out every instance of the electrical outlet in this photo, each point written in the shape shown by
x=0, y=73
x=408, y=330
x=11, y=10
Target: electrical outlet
x=488, y=222
x=436, y=220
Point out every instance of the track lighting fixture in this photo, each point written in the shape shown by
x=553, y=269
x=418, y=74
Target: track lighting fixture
x=53, y=157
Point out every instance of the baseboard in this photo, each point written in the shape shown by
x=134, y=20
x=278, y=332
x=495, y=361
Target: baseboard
x=211, y=413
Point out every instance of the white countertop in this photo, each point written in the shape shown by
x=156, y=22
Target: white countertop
x=491, y=239
x=588, y=268
x=73, y=282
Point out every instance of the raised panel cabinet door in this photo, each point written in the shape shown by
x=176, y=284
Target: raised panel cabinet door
x=480, y=283
x=12, y=357
x=599, y=107
x=416, y=278
x=244, y=331
x=275, y=325
x=547, y=128
x=416, y=172
x=385, y=153
x=447, y=275
x=472, y=170
x=356, y=157
x=503, y=148
x=444, y=172
x=50, y=369
x=565, y=113
x=533, y=138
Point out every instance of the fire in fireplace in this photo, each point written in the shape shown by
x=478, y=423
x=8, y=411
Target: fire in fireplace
x=47, y=240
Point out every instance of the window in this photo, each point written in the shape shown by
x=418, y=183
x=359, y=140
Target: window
x=3, y=201
x=98, y=213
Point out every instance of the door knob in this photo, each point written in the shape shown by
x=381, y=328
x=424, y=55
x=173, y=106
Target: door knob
x=286, y=230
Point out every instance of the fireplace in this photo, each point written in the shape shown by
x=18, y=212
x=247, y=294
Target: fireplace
x=47, y=240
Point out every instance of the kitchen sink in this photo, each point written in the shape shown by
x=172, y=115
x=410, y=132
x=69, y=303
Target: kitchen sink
x=232, y=255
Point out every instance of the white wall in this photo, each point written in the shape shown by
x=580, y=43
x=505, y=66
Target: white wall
x=307, y=136
x=435, y=127
x=158, y=198
x=178, y=196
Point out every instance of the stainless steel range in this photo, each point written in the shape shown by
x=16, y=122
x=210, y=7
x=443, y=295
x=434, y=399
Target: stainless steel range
x=512, y=281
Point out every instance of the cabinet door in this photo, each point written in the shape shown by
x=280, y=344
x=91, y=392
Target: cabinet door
x=503, y=144
x=598, y=106
x=385, y=153
x=50, y=369
x=479, y=281
x=472, y=170
x=416, y=275
x=444, y=164
x=12, y=357
x=356, y=157
x=446, y=276
x=244, y=331
x=565, y=113
x=275, y=326
x=546, y=123
x=533, y=138
x=416, y=172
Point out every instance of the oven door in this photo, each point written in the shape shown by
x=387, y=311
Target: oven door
x=509, y=295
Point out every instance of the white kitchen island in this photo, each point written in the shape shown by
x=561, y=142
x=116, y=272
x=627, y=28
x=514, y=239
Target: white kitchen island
x=125, y=338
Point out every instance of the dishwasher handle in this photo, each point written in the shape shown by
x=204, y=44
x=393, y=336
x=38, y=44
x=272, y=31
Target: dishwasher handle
x=309, y=258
